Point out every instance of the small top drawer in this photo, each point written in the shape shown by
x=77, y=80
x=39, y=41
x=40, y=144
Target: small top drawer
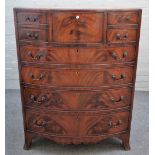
x=32, y=35
x=115, y=18
x=122, y=35
x=32, y=18
x=77, y=27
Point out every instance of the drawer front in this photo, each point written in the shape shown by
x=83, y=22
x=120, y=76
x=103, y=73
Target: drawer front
x=26, y=34
x=77, y=77
x=76, y=124
x=117, y=18
x=121, y=54
x=33, y=18
x=121, y=35
x=77, y=27
x=103, y=124
x=77, y=100
x=62, y=77
x=51, y=123
x=77, y=55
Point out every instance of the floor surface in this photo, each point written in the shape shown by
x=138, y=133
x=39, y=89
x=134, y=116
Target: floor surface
x=15, y=140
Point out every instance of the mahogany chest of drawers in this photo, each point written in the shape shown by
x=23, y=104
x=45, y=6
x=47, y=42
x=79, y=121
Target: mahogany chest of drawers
x=77, y=72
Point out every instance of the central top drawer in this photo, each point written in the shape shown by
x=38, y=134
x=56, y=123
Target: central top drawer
x=77, y=27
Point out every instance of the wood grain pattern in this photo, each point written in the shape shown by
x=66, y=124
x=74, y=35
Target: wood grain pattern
x=51, y=123
x=33, y=18
x=77, y=27
x=125, y=17
x=59, y=55
x=77, y=73
x=77, y=77
x=121, y=35
x=27, y=34
x=83, y=100
x=80, y=125
x=100, y=125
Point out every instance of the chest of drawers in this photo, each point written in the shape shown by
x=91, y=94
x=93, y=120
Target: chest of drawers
x=77, y=72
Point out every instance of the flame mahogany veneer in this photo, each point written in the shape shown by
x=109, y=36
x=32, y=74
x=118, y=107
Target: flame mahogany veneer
x=77, y=72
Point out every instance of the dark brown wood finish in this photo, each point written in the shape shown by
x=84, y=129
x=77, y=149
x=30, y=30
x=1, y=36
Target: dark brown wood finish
x=77, y=72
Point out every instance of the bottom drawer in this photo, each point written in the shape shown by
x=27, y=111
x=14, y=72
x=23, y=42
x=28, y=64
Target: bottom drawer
x=79, y=124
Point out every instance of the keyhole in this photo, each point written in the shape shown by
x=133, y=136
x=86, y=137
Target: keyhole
x=77, y=51
x=77, y=116
x=77, y=72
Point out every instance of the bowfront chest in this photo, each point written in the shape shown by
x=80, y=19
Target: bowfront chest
x=77, y=72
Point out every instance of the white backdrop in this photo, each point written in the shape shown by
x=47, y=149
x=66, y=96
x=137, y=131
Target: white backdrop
x=142, y=82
